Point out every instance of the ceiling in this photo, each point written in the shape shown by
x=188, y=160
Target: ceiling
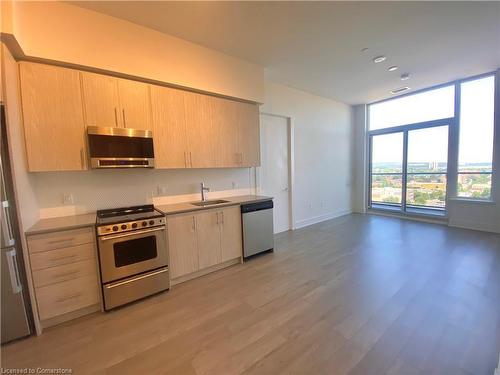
x=316, y=46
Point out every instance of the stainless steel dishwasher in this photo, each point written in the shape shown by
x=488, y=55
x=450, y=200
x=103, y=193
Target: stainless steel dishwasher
x=258, y=228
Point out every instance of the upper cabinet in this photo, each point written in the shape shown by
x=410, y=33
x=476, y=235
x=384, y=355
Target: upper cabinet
x=53, y=118
x=190, y=130
x=115, y=102
x=169, y=128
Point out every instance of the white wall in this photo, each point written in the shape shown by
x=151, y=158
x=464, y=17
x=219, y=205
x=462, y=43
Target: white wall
x=359, y=197
x=66, y=33
x=322, y=143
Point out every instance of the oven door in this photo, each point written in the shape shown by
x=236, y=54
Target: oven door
x=127, y=254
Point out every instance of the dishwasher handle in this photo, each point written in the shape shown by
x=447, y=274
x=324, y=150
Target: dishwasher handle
x=258, y=206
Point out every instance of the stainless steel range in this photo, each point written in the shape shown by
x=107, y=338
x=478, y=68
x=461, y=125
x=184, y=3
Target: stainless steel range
x=132, y=253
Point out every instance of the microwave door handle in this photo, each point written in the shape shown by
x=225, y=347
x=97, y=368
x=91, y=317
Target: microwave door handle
x=136, y=233
x=7, y=234
x=15, y=281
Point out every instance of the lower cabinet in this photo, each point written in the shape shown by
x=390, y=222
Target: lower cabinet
x=64, y=270
x=203, y=239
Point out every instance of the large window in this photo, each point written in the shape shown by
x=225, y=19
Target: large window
x=475, y=153
x=410, y=150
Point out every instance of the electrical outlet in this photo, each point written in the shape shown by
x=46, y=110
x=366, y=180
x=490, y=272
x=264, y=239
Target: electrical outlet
x=322, y=204
x=310, y=205
x=161, y=190
x=235, y=185
x=68, y=198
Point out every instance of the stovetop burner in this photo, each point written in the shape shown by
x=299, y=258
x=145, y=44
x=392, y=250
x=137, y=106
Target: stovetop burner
x=125, y=219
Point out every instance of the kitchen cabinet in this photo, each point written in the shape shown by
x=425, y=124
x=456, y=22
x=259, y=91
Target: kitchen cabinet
x=231, y=234
x=208, y=238
x=135, y=104
x=224, y=115
x=190, y=130
x=115, y=102
x=248, y=135
x=201, y=132
x=203, y=239
x=169, y=128
x=182, y=245
x=54, y=129
x=100, y=100
x=64, y=270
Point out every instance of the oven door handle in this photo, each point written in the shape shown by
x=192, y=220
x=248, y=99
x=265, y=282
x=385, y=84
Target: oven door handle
x=136, y=233
x=120, y=283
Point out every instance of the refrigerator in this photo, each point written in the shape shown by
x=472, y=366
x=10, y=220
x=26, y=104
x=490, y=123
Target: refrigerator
x=15, y=319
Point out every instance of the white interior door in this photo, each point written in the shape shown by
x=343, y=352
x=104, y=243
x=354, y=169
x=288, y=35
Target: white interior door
x=274, y=172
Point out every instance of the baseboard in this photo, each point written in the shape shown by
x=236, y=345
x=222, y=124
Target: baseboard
x=481, y=226
x=70, y=316
x=318, y=219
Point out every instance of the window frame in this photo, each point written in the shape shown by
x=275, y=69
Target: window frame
x=453, y=144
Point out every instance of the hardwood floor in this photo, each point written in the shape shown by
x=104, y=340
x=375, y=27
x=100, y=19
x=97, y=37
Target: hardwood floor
x=359, y=294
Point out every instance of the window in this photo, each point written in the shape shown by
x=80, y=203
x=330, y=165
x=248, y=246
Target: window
x=426, y=106
x=427, y=167
x=387, y=169
x=475, y=153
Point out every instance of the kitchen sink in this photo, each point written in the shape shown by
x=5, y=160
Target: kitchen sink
x=209, y=203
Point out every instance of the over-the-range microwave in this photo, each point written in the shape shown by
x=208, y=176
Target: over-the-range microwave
x=120, y=147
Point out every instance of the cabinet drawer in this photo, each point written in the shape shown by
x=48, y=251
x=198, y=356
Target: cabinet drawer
x=60, y=257
x=58, y=274
x=57, y=240
x=68, y=296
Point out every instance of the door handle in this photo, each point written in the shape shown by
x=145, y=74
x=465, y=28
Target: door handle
x=15, y=282
x=114, y=285
x=116, y=118
x=136, y=233
x=124, y=122
x=6, y=225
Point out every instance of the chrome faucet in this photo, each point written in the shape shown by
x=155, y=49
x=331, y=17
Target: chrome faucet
x=203, y=191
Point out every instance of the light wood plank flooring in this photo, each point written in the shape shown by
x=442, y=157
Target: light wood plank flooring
x=359, y=294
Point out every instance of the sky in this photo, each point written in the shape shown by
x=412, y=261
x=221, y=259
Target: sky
x=428, y=145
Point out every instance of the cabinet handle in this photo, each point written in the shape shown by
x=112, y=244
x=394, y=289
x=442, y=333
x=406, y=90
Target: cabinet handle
x=186, y=162
x=64, y=257
x=82, y=159
x=217, y=215
x=190, y=159
x=194, y=224
x=68, y=297
x=61, y=240
x=124, y=122
x=63, y=274
x=116, y=117
x=7, y=233
x=222, y=215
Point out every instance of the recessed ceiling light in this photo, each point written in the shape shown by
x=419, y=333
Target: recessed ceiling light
x=364, y=49
x=405, y=76
x=379, y=59
x=392, y=68
x=401, y=89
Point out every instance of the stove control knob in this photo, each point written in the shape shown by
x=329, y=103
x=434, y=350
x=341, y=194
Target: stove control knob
x=144, y=223
x=115, y=228
x=134, y=225
x=124, y=226
x=151, y=222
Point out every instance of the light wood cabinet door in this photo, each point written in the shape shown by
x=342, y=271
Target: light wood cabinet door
x=100, y=100
x=182, y=246
x=169, y=127
x=224, y=114
x=209, y=241
x=53, y=118
x=231, y=233
x=248, y=135
x=200, y=131
x=135, y=104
